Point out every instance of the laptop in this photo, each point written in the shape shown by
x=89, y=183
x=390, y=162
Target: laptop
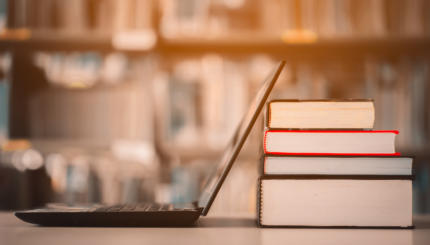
x=155, y=214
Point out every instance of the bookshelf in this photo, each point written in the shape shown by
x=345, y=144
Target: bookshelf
x=374, y=52
x=54, y=41
x=246, y=44
x=284, y=49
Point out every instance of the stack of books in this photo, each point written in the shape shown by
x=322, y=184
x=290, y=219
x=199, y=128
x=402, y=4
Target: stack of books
x=324, y=166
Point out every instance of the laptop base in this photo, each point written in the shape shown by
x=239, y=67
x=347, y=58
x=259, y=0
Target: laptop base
x=109, y=218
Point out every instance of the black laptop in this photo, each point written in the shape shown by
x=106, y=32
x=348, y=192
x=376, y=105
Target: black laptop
x=155, y=214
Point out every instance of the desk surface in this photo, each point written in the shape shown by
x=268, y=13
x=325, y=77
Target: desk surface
x=210, y=230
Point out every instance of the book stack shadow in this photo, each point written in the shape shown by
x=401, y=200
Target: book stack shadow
x=324, y=166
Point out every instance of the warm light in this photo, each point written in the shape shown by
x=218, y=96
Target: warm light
x=16, y=34
x=299, y=36
x=14, y=145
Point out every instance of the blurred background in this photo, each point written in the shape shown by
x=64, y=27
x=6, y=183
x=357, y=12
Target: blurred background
x=109, y=101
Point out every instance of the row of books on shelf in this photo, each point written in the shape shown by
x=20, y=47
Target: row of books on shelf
x=103, y=16
x=325, y=166
x=196, y=98
x=399, y=89
x=348, y=18
x=311, y=18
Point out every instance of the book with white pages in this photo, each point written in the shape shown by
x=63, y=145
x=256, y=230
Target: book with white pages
x=337, y=165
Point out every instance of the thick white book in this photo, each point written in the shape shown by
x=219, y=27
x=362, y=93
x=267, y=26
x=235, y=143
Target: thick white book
x=337, y=165
x=335, y=201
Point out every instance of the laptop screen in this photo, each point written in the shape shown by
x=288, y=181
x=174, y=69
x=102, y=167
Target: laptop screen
x=216, y=178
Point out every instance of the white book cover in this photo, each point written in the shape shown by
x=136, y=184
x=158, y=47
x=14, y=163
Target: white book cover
x=336, y=201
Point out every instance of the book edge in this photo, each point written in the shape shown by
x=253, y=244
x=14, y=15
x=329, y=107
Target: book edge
x=277, y=130
x=335, y=177
x=329, y=154
x=320, y=129
x=321, y=100
x=337, y=227
x=338, y=156
x=264, y=158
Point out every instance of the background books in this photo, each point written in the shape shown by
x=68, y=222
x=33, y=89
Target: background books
x=308, y=18
x=104, y=16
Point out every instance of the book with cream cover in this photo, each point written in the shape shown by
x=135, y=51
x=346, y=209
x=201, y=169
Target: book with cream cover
x=328, y=142
x=335, y=201
x=320, y=114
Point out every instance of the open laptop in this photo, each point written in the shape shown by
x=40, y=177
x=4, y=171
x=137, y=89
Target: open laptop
x=153, y=214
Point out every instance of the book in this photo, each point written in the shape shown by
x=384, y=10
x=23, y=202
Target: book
x=335, y=201
x=321, y=114
x=305, y=142
x=337, y=165
x=337, y=236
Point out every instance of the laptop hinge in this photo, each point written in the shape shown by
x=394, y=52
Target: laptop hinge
x=196, y=205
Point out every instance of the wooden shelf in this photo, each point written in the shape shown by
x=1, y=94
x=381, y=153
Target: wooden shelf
x=319, y=48
x=239, y=44
x=51, y=41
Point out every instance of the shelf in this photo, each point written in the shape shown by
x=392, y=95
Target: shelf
x=317, y=48
x=238, y=44
x=55, y=41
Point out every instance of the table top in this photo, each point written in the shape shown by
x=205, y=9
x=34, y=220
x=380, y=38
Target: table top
x=210, y=230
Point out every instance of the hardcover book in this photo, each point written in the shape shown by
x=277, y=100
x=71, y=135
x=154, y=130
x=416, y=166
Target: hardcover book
x=335, y=201
x=306, y=142
x=336, y=165
x=320, y=114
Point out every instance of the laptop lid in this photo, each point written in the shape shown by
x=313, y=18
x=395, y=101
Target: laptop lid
x=215, y=180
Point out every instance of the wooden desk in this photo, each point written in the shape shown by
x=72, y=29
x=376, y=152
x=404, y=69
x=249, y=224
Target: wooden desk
x=210, y=230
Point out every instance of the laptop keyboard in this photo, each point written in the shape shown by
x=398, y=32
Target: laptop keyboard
x=142, y=207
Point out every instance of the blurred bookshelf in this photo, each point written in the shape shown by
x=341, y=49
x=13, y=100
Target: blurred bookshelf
x=243, y=44
x=53, y=40
x=299, y=49
x=90, y=82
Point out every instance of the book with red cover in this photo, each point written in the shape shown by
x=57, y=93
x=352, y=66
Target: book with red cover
x=328, y=142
